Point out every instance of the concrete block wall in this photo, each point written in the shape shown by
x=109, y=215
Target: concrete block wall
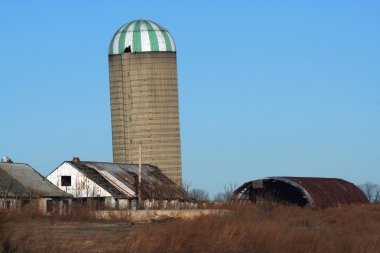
x=144, y=108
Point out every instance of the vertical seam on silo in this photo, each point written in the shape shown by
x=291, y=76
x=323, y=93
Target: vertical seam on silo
x=122, y=103
x=131, y=122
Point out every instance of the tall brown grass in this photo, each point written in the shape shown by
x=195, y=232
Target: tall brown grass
x=261, y=228
x=19, y=228
x=4, y=231
x=267, y=228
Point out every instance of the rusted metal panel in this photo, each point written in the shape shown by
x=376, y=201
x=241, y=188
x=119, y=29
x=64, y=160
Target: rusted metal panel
x=319, y=192
x=326, y=192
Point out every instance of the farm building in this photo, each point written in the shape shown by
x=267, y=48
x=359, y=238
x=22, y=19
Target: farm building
x=144, y=97
x=114, y=185
x=302, y=191
x=21, y=185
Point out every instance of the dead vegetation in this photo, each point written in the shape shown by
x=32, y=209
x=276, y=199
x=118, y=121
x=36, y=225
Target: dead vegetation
x=265, y=227
x=27, y=230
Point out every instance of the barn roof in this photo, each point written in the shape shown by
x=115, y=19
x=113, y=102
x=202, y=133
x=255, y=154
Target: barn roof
x=21, y=180
x=317, y=192
x=120, y=180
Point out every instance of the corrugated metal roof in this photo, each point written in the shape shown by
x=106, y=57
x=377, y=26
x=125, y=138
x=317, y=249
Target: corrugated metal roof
x=318, y=192
x=21, y=180
x=9, y=187
x=95, y=176
x=326, y=192
x=120, y=180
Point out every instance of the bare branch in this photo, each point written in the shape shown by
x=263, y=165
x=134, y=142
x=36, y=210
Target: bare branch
x=371, y=190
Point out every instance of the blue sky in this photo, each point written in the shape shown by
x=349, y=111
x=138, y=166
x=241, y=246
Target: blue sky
x=267, y=88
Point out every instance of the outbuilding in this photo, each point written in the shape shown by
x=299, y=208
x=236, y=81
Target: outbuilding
x=302, y=191
x=22, y=186
x=114, y=185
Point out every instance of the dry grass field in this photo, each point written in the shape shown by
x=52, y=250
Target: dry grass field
x=261, y=228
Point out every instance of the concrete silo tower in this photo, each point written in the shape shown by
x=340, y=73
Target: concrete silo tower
x=144, y=97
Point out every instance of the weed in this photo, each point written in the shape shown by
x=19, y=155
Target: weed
x=260, y=228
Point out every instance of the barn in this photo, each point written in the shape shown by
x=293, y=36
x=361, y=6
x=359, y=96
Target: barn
x=302, y=191
x=114, y=185
x=23, y=186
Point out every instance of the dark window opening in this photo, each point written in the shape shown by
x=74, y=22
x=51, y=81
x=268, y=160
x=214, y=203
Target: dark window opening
x=25, y=202
x=127, y=49
x=66, y=181
x=49, y=206
x=99, y=203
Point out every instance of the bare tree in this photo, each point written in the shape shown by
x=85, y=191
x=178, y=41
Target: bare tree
x=199, y=195
x=226, y=194
x=220, y=197
x=371, y=190
x=186, y=186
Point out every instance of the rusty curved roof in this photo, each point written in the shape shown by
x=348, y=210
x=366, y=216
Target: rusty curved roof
x=319, y=192
x=325, y=192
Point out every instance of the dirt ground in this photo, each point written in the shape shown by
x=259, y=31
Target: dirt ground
x=43, y=235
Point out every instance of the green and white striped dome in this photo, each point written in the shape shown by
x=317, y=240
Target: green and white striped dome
x=141, y=36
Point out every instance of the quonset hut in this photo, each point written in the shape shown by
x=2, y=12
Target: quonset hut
x=144, y=97
x=302, y=191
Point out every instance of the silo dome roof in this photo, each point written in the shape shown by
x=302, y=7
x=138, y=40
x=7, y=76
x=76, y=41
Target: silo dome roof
x=141, y=36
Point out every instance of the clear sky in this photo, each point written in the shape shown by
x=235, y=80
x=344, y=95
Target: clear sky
x=266, y=88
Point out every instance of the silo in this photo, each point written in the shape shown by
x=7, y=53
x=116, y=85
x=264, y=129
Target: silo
x=144, y=97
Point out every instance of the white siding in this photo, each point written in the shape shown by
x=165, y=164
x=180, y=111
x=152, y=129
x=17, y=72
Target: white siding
x=81, y=186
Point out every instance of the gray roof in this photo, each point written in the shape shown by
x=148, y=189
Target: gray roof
x=21, y=180
x=114, y=177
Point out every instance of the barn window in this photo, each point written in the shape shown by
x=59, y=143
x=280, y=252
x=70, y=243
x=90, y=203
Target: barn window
x=65, y=180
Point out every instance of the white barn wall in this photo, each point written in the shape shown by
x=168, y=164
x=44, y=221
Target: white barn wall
x=81, y=186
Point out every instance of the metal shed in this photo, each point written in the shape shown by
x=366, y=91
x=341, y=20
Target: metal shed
x=114, y=185
x=22, y=185
x=302, y=191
